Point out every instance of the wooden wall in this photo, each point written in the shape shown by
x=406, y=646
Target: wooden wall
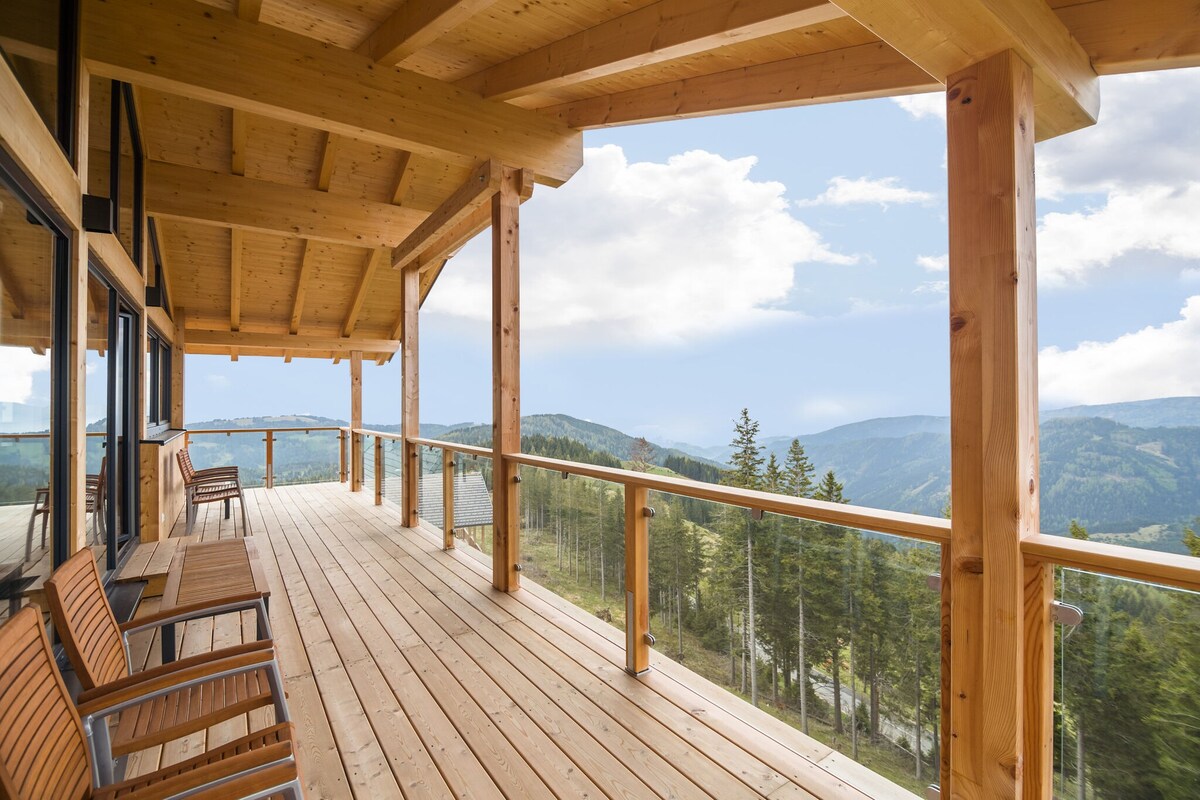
x=162, y=489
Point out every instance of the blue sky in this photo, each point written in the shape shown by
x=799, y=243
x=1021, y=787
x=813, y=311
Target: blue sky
x=792, y=261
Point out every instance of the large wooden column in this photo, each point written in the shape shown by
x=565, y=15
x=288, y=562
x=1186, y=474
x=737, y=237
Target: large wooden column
x=999, y=708
x=410, y=417
x=178, y=348
x=76, y=389
x=506, y=378
x=356, y=454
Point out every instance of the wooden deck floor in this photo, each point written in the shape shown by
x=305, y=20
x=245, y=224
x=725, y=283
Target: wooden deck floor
x=409, y=676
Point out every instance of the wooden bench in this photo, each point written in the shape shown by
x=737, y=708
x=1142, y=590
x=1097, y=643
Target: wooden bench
x=207, y=572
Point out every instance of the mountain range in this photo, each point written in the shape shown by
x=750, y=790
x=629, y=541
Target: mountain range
x=1129, y=472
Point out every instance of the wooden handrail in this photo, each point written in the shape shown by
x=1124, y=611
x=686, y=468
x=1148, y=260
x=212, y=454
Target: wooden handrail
x=1151, y=566
x=16, y=437
x=395, y=437
x=453, y=447
x=227, y=431
x=913, y=526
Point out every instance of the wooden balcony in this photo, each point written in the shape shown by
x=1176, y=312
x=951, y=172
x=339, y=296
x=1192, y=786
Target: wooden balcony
x=409, y=676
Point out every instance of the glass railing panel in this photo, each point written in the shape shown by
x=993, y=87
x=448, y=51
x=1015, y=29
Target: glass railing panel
x=305, y=457
x=245, y=450
x=1127, y=690
x=573, y=540
x=393, y=472
x=429, y=486
x=368, y=464
x=834, y=630
x=473, y=506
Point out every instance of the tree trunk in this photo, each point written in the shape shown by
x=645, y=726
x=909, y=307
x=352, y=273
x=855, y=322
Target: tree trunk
x=1081, y=783
x=679, y=619
x=837, y=689
x=743, y=652
x=853, y=705
x=802, y=658
x=874, y=695
x=732, y=654
x=750, y=616
x=917, y=709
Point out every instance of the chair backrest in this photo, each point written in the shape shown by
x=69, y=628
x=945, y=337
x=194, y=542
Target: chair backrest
x=85, y=621
x=43, y=751
x=185, y=465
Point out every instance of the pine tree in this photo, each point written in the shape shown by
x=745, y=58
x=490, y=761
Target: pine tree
x=827, y=582
x=798, y=482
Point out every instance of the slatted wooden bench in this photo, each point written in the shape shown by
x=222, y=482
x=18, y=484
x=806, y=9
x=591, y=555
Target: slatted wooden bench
x=207, y=572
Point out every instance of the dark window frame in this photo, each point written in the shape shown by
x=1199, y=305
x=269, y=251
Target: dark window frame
x=158, y=389
x=121, y=104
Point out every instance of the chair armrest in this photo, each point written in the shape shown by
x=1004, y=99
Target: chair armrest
x=218, y=471
x=206, y=608
x=255, y=772
x=110, y=702
x=175, y=667
x=206, y=480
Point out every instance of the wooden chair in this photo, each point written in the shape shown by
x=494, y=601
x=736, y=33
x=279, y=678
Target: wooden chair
x=214, y=485
x=94, y=496
x=98, y=649
x=45, y=747
x=41, y=508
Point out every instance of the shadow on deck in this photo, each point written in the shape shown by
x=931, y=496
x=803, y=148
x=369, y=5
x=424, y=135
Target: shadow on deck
x=409, y=676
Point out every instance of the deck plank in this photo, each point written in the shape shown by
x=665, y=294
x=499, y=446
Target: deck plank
x=408, y=676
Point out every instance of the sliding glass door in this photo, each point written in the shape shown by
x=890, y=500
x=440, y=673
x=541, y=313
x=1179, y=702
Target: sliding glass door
x=112, y=423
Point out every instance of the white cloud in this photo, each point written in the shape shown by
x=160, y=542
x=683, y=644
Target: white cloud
x=922, y=106
x=1146, y=135
x=932, y=287
x=844, y=192
x=1156, y=219
x=18, y=366
x=1157, y=361
x=934, y=263
x=646, y=252
x=1190, y=275
x=218, y=381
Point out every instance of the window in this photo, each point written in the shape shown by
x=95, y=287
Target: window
x=34, y=35
x=158, y=383
x=115, y=165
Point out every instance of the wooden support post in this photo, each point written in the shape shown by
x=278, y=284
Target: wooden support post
x=269, y=478
x=410, y=418
x=76, y=427
x=356, y=454
x=1000, y=689
x=178, y=345
x=506, y=380
x=378, y=470
x=637, y=579
x=342, y=455
x=447, y=500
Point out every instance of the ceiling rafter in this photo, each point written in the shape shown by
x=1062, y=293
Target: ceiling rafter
x=301, y=293
x=650, y=35
x=862, y=71
x=374, y=259
x=182, y=48
x=477, y=189
x=416, y=25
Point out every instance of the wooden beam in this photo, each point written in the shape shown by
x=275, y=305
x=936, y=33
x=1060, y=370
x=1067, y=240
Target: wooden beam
x=249, y=10
x=16, y=307
x=506, y=380
x=851, y=73
x=238, y=136
x=416, y=25
x=637, y=579
x=25, y=137
x=182, y=47
x=454, y=237
x=356, y=449
x=306, y=268
x=370, y=266
x=285, y=341
x=1132, y=35
x=410, y=393
x=404, y=176
x=474, y=193
x=195, y=195
x=944, y=37
x=999, y=717
x=235, y=279
x=659, y=32
x=328, y=156
x=178, y=349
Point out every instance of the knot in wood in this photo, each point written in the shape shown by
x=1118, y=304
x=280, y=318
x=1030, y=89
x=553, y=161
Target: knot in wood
x=958, y=322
